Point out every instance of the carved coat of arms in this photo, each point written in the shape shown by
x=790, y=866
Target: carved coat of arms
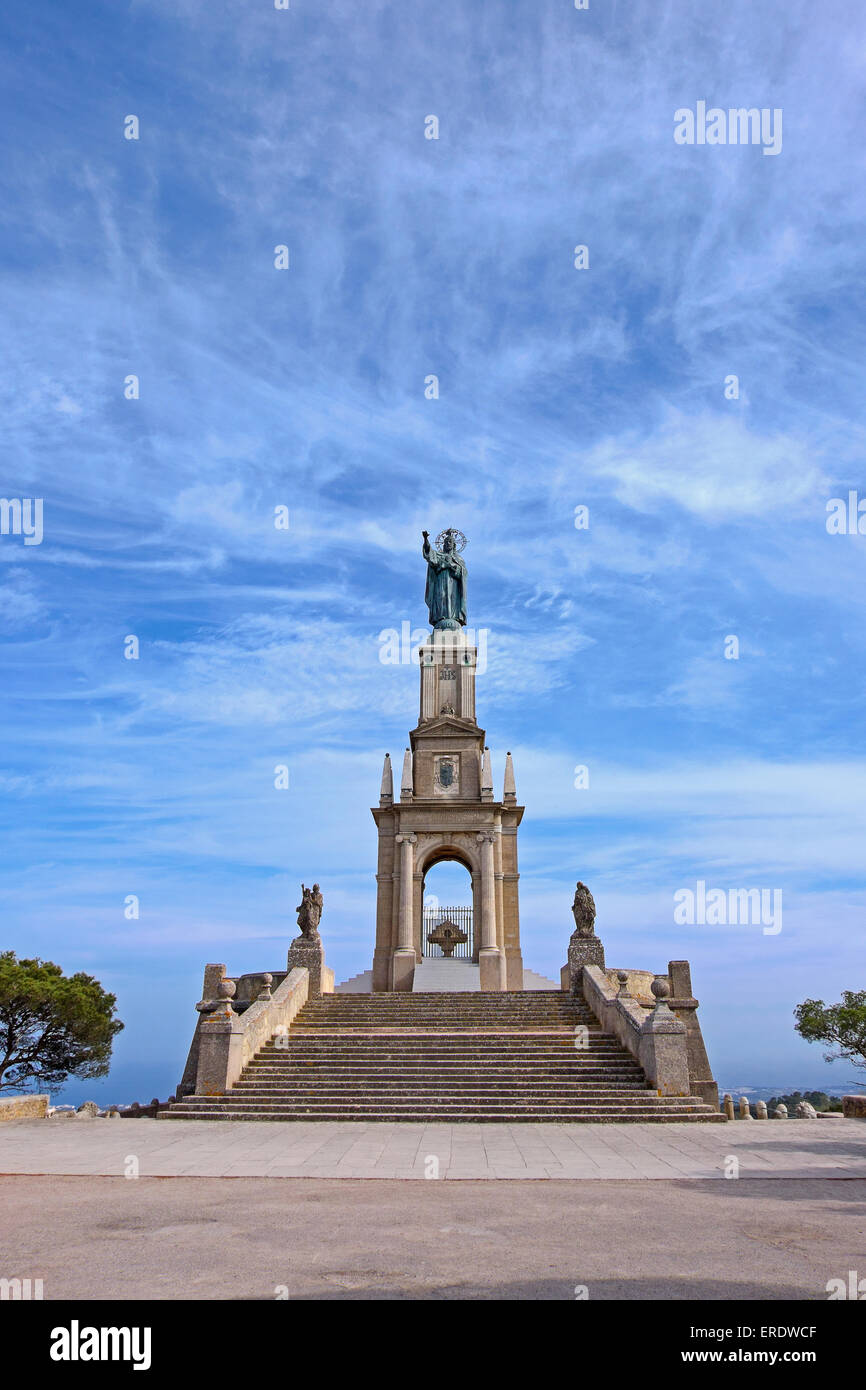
x=447, y=773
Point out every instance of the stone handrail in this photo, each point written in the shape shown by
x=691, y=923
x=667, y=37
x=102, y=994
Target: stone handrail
x=655, y=1037
x=229, y=1040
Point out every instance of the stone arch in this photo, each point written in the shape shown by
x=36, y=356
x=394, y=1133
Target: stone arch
x=455, y=847
x=448, y=849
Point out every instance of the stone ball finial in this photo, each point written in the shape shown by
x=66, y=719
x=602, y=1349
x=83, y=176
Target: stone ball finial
x=226, y=990
x=622, y=976
x=265, y=991
x=661, y=990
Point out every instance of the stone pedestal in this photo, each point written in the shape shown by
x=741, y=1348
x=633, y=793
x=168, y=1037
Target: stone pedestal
x=308, y=951
x=685, y=1006
x=582, y=950
x=403, y=964
x=662, y=1048
x=492, y=969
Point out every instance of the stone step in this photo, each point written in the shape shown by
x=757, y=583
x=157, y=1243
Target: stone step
x=606, y=1115
x=290, y=1081
x=448, y=1102
x=477, y=1041
x=448, y=1066
x=445, y=1010
x=412, y=1095
x=522, y=1050
x=451, y=1067
x=447, y=1058
x=567, y=1060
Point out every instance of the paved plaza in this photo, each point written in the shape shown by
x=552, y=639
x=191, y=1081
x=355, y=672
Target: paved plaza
x=229, y=1149
x=355, y=1210
x=245, y=1238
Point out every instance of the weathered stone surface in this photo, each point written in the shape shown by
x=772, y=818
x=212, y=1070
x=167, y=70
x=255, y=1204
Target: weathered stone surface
x=583, y=950
x=583, y=910
x=655, y=1038
x=229, y=1041
x=804, y=1111
x=854, y=1107
x=309, y=954
x=88, y=1110
x=745, y=1112
x=780, y=1112
x=23, y=1108
x=761, y=1110
x=475, y=1056
x=729, y=1106
x=685, y=1006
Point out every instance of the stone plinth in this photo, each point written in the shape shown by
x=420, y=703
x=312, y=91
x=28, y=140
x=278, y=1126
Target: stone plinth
x=582, y=950
x=854, y=1107
x=308, y=951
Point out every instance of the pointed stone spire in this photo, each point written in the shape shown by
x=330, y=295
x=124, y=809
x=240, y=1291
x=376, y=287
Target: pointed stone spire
x=406, y=780
x=386, y=793
x=509, y=793
x=486, y=776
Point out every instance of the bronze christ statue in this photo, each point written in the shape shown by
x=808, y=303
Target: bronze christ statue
x=445, y=594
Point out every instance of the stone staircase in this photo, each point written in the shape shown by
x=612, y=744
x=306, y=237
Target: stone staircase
x=444, y=1057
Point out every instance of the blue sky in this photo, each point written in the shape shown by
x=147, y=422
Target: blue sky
x=559, y=387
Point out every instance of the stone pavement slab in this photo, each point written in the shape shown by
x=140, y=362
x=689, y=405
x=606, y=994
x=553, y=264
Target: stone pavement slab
x=201, y=1148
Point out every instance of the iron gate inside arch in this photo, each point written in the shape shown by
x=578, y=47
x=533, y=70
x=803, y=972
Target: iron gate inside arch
x=460, y=917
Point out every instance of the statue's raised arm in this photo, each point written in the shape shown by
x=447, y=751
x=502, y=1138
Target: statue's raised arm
x=445, y=594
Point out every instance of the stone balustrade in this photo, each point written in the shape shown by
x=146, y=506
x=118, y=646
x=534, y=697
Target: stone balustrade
x=228, y=1041
x=655, y=1037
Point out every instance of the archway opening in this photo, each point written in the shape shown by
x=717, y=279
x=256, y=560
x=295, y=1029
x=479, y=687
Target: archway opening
x=448, y=916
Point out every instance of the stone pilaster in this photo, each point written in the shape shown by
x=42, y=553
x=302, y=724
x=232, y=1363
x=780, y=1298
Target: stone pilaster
x=490, y=958
x=404, y=959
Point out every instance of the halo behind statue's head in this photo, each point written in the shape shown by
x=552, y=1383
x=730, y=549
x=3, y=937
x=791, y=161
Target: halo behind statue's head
x=459, y=538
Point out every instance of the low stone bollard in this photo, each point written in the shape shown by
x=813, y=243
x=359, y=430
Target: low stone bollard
x=728, y=1103
x=803, y=1110
x=761, y=1110
x=780, y=1112
x=745, y=1112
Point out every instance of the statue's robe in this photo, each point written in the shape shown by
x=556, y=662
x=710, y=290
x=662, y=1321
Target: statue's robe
x=445, y=594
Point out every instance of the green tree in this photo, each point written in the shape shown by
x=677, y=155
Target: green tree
x=843, y=1025
x=52, y=1026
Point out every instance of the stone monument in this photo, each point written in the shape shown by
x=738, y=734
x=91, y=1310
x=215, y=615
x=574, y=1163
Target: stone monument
x=447, y=809
x=307, y=949
x=584, y=948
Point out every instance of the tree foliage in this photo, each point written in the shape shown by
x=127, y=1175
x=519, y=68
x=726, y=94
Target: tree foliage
x=819, y=1099
x=52, y=1026
x=842, y=1025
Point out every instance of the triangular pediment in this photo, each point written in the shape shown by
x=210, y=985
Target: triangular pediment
x=447, y=724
